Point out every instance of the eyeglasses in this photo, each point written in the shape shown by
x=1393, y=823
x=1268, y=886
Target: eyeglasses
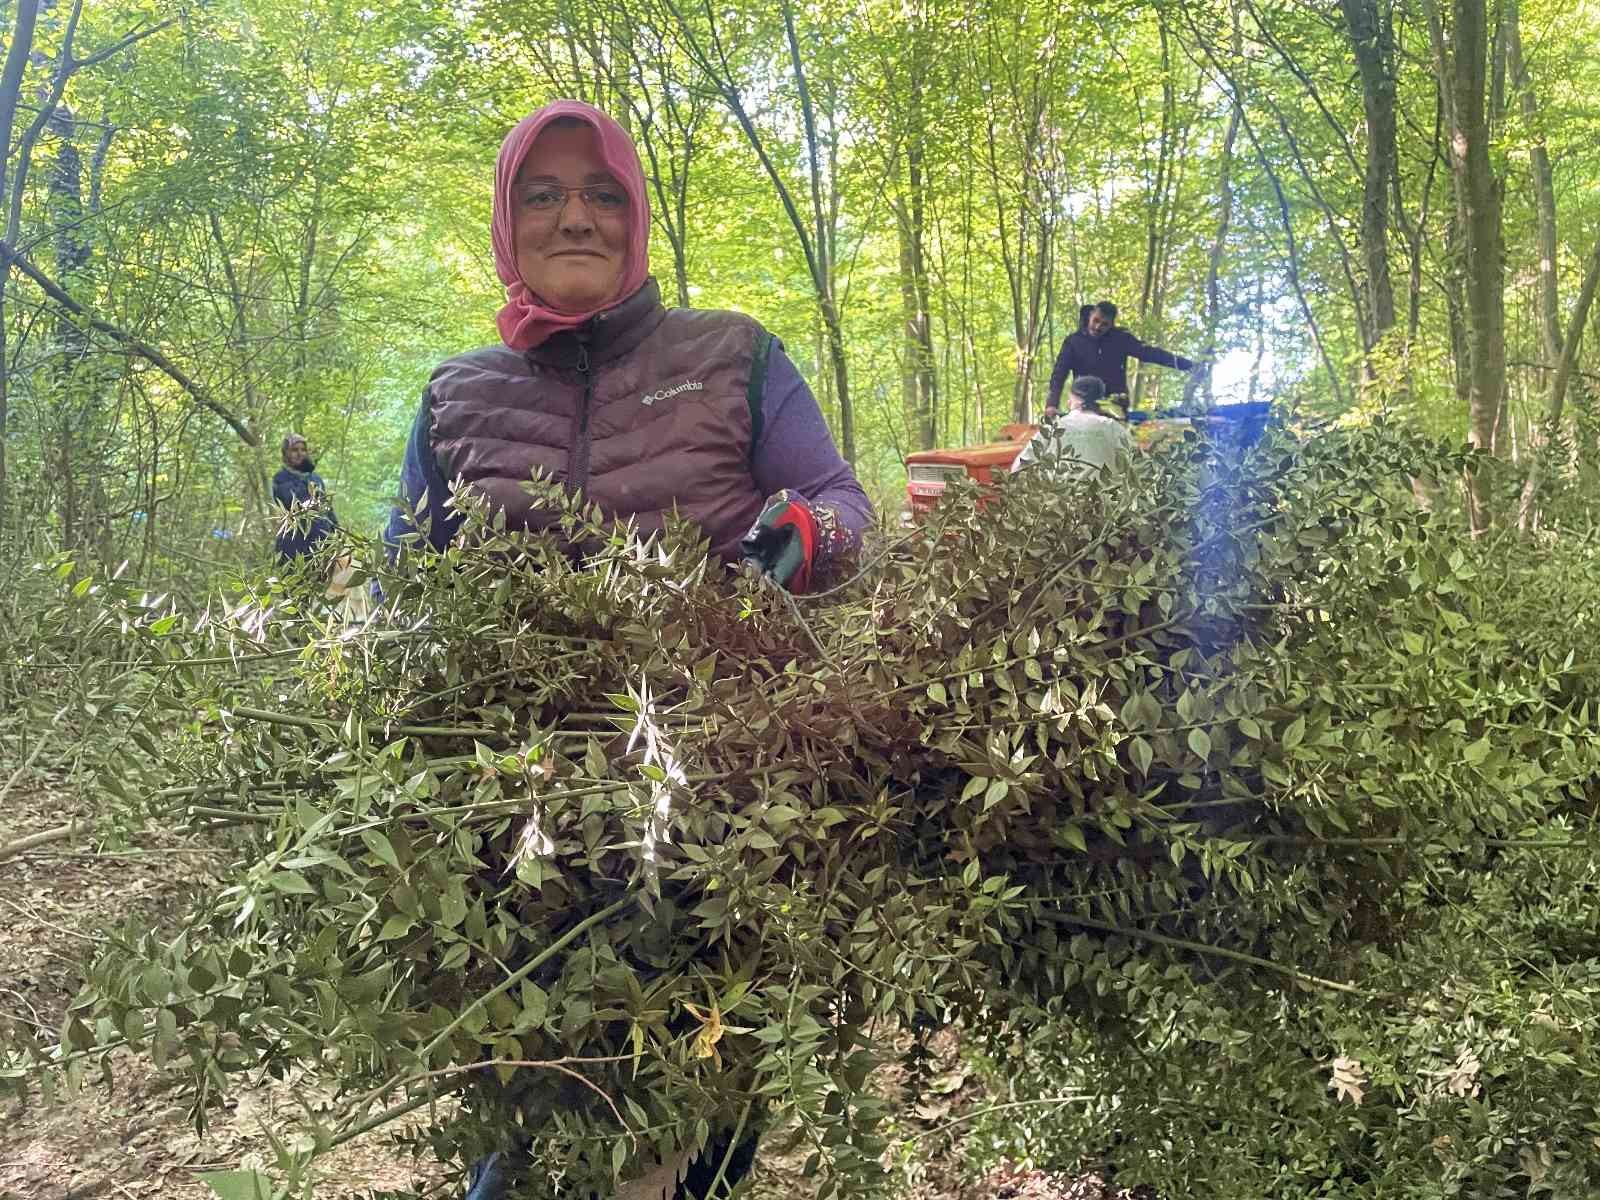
x=552, y=197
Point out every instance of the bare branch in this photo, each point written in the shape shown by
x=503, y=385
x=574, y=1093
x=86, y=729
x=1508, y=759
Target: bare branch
x=121, y=44
x=143, y=349
x=47, y=111
x=59, y=833
x=1291, y=248
x=11, y=80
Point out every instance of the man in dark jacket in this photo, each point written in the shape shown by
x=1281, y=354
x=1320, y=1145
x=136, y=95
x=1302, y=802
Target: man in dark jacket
x=1099, y=347
x=298, y=487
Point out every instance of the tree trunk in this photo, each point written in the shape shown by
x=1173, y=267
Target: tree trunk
x=1455, y=300
x=1463, y=72
x=1219, y=247
x=1416, y=233
x=1291, y=254
x=1484, y=246
x=239, y=333
x=1558, y=387
x=1011, y=261
x=1261, y=338
x=665, y=123
x=1037, y=303
x=10, y=93
x=916, y=367
x=816, y=240
x=1544, y=192
x=72, y=392
x=823, y=270
x=1219, y=243
x=302, y=310
x=1155, y=207
x=917, y=372
x=1372, y=38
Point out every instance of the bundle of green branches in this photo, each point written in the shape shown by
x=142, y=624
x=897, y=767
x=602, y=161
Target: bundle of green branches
x=602, y=853
x=1445, y=773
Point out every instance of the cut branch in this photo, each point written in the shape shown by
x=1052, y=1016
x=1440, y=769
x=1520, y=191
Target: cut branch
x=44, y=837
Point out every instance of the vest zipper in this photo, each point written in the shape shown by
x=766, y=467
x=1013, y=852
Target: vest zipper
x=578, y=473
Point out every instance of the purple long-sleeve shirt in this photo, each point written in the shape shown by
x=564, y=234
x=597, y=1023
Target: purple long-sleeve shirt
x=795, y=452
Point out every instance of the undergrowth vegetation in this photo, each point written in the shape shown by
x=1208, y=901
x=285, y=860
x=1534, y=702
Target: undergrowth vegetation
x=1240, y=814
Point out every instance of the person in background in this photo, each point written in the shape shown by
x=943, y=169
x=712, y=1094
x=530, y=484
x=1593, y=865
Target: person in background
x=642, y=409
x=1083, y=441
x=297, y=488
x=1101, y=348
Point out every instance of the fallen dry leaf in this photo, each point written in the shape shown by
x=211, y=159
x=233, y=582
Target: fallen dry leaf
x=1349, y=1079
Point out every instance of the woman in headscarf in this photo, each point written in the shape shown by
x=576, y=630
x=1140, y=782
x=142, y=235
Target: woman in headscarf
x=297, y=486
x=641, y=408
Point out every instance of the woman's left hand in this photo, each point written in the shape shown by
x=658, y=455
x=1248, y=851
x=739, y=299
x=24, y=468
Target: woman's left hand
x=783, y=542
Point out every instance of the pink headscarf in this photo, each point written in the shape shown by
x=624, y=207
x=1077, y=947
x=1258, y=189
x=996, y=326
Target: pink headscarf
x=525, y=321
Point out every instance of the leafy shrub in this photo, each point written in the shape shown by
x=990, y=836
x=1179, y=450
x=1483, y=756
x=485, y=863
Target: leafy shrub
x=624, y=854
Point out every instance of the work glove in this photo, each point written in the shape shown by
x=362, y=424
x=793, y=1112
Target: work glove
x=782, y=544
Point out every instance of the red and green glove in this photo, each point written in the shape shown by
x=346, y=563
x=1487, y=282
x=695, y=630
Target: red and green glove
x=783, y=542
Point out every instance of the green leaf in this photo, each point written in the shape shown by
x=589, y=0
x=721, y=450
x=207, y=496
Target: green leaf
x=237, y=1185
x=535, y=1006
x=379, y=845
x=1200, y=742
x=996, y=792
x=1477, y=751
x=290, y=882
x=452, y=905
x=1141, y=754
x=1295, y=734
x=396, y=926
x=781, y=816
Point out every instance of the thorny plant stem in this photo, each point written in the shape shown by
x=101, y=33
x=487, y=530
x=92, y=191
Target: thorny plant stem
x=727, y=1155
x=38, y=748
x=794, y=610
x=298, y=722
x=232, y=815
x=489, y=808
x=1420, y=843
x=507, y=984
x=1162, y=939
x=984, y=668
x=1075, y=1098
x=563, y=1065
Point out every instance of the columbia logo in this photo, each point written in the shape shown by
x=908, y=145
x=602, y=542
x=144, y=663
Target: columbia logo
x=688, y=385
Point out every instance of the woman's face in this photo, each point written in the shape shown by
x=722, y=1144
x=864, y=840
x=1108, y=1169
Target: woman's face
x=571, y=248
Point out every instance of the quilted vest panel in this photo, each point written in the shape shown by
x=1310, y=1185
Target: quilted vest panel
x=660, y=420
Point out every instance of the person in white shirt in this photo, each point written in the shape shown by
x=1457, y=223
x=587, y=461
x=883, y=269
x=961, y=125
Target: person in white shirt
x=1082, y=442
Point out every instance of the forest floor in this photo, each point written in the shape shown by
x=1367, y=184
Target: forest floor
x=134, y=1139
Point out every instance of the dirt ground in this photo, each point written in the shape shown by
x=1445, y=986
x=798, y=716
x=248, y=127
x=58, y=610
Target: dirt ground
x=134, y=1139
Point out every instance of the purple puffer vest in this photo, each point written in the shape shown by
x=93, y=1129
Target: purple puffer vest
x=643, y=409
